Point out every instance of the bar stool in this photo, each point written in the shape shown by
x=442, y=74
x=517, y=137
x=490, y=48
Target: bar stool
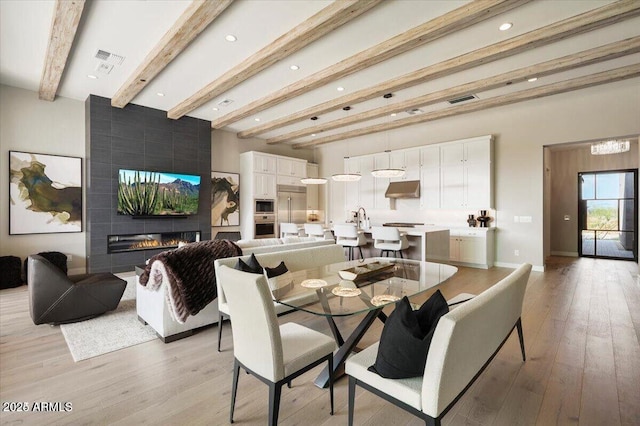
x=317, y=230
x=347, y=235
x=289, y=230
x=388, y=238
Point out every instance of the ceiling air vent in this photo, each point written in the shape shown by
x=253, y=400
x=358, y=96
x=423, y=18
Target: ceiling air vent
x=462, y=99
x=108, y=57
x=414, y=111
x=225, y=102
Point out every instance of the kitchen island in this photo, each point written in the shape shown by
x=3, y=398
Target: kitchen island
x=426, y=243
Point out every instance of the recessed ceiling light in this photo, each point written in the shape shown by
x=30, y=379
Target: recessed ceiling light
x=214, y=108
x=92, y=76
x=294, y=67
x=256, y=119
x=160, y=94
x=340, y=89
x=313, y=135
x=393, y=114
x=532, y=79
x=505, y=26
x=230, y=37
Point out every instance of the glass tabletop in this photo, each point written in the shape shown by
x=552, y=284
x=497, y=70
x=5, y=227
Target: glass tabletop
x=371, y=284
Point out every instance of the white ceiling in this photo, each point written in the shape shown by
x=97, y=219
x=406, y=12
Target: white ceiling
x=131, y=28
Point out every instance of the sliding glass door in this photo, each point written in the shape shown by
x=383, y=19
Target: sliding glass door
x=607, y=213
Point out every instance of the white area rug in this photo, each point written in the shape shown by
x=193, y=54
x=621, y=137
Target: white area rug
x=117, y=329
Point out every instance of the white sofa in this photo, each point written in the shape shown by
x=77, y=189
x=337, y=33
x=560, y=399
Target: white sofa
x=152, y=308
x=465, y=341
x=268, y=245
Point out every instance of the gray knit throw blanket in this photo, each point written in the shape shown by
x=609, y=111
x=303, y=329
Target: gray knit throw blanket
x=189, y=274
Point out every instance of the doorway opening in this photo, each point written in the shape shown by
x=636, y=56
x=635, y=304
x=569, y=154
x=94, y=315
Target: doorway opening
x=607, y=212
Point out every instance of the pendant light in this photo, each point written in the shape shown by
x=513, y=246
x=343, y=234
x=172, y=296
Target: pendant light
x=313, y=180
x=610, y=147
x=346, y=177
x=388, y=172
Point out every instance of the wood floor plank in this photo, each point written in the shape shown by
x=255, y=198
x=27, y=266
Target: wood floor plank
x=581, y=323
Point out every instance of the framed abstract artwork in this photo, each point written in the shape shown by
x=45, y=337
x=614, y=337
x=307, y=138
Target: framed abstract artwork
x=45, y=193
x=225, y=199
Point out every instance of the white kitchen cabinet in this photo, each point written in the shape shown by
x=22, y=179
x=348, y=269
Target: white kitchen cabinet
x=264, y=186
x=264, y=163
x=289, y=180
x=466, y=175
x=407, y=160
x=312, y=190
x=472, y=246
x=430, y=177
x=292, y=167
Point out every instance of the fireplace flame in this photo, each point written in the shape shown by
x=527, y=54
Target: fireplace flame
x=155, y=243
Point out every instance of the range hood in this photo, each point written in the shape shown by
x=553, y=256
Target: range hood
x=403, y=189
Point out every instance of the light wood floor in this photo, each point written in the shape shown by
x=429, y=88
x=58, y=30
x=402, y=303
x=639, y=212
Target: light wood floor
x=581, y=323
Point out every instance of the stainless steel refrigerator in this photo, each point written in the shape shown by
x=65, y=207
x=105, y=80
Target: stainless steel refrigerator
x=292, y=204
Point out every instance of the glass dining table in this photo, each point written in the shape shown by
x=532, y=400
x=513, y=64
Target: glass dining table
x=352, y=288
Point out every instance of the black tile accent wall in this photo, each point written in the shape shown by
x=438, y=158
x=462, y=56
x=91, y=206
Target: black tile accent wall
x=139, y=138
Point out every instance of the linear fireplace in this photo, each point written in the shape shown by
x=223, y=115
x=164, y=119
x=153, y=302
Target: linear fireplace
x=134, y=242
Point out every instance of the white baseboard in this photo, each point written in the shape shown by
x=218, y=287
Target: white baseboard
x=565, y=253
x=537, y=268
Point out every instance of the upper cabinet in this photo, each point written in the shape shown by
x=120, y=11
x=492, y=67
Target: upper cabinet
x=264, y=163
x=466, y=174
x=452, y=175
x=292, y=167
x=407, y=160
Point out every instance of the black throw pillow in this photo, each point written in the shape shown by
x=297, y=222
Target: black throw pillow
x=252, y=265
x=277, y=271
x=406, y=337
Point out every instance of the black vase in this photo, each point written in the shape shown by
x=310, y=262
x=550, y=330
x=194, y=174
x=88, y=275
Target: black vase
x=484, y=219
x=471, y=221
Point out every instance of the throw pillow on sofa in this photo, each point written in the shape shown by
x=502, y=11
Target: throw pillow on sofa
x=406, y=337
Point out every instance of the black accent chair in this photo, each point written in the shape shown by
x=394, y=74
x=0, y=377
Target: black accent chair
x=10, y=272
x=55, y=298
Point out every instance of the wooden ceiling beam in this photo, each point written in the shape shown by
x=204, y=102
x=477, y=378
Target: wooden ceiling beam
x=198, y=15
x=605, y=77
x=458, y=19
x=588, y=21
x=331, y=17
x=64, y=25
x=599, y=54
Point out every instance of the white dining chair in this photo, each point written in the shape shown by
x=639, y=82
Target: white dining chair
x=389, y=239
x=318, y=231
x=273, y=354
x=289, y=230
x=347, y=235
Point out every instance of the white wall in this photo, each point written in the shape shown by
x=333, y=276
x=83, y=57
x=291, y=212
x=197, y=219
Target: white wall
x=31, y=125
x=521, y=130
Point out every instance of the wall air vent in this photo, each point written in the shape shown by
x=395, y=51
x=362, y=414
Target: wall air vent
x=414, y=111
x=225, y=102
x=462, y=99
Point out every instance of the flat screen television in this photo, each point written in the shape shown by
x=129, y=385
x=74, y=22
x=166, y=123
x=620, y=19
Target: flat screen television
x=157, y=194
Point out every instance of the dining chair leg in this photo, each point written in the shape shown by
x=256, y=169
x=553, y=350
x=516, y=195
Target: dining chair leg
x=521, y=337
x=401, y=256
x=352, y=398
x=330, y=362
x=234, y=387
x=361, y=255
x=275, y=389
x=220, y=322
